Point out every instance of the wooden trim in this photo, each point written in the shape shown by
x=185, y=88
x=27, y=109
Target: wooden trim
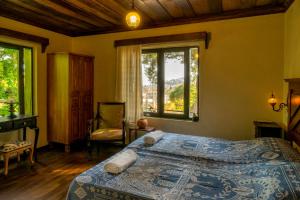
x=292, y=80
x=166, y=38
x=24, y=36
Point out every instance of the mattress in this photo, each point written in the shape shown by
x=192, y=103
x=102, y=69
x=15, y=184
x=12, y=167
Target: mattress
x=189, y=167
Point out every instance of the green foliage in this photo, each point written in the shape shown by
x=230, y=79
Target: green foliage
x=9, y=68
x=194, y=66
x=176, y=97
x=150, y=62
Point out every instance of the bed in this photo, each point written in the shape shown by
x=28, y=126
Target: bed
x=190, y=167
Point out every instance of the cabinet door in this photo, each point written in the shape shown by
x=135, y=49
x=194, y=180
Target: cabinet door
x=87, y=113
x=75, y=118
x=75, y=100
x=87, y=93
x=74, y=71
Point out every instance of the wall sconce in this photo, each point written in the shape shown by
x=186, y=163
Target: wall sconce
x=273, y=101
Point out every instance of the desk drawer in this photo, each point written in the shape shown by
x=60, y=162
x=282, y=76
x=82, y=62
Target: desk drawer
x=24, y=123
x=5, y=126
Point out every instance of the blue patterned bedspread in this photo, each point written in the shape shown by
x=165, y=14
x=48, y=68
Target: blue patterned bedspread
x=245, y=151
x=173, y=172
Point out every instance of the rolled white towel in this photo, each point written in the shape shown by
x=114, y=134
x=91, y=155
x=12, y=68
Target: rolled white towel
x=153, y=137
x=121, y=162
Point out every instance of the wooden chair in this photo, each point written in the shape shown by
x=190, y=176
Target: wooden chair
x=108, y=125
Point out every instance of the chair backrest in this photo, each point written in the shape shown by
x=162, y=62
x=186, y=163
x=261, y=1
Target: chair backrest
x=110, y=114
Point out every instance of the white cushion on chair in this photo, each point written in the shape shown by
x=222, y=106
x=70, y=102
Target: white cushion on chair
x=107, y=134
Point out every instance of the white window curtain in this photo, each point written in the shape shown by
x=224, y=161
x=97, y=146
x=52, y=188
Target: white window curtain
x=129, y=81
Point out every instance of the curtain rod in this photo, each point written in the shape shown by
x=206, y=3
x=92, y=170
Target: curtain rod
x=206, y=36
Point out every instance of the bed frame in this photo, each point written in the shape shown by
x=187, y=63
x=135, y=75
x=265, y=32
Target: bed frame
x=293, y=101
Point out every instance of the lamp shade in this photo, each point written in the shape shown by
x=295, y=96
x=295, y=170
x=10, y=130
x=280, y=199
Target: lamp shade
x=272, y=100
x=133, y=19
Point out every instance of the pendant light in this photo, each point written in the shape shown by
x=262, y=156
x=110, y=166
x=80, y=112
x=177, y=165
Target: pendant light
x=133, y=19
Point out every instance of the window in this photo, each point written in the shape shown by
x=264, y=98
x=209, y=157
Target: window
x=170, y=82
x=16, y=78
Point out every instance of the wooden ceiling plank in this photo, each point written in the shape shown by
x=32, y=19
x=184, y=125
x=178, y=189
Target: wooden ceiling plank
x=263, y=2
x=112, y=5
x=31, y=5
x=231, y=4
x=177, y=8
x=62, y=9
x=191, y=7
x=200, y=6
x=237, y=4
x=165, y=9
x=92, y=11
x=102, y=8
x=248, y=4
x=153, y=9
x=215, y=6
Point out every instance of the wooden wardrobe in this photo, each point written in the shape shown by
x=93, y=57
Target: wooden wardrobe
x=70, y=86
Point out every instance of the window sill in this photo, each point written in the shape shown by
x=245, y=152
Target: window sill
x=170, y=119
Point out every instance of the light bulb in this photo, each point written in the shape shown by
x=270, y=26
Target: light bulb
x=133, y=19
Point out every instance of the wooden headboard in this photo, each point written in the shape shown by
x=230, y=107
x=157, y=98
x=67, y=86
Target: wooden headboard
x=293, y=132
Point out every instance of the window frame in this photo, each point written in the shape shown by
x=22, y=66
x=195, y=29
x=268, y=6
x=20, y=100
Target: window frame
x=21, y=84
x=161, y=82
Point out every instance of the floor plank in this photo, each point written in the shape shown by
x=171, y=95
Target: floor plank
x=51, y=176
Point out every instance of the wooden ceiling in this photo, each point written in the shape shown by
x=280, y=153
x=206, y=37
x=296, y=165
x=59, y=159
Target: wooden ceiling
x=87, y=17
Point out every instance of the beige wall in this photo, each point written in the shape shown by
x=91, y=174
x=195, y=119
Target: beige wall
x=292, y=42
x=242, y=66
x=58, y=42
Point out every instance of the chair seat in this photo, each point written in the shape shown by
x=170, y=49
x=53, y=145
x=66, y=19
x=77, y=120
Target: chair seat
x=14, y=146
x=107, y=134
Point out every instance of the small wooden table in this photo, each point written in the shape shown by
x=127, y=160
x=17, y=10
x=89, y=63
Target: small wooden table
x=267, y=129
x=135, y=129
x=21, y=122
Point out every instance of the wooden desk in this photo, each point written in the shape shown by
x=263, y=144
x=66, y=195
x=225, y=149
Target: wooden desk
x=135, y=129
x=21, y=122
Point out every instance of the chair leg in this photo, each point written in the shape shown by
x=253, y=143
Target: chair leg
x=90, y=146
x=6, y=159
x=18, y=156
x=98, y=149
x=30, y=156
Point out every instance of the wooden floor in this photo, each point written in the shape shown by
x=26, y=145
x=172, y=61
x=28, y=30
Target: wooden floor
x=50, y=177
